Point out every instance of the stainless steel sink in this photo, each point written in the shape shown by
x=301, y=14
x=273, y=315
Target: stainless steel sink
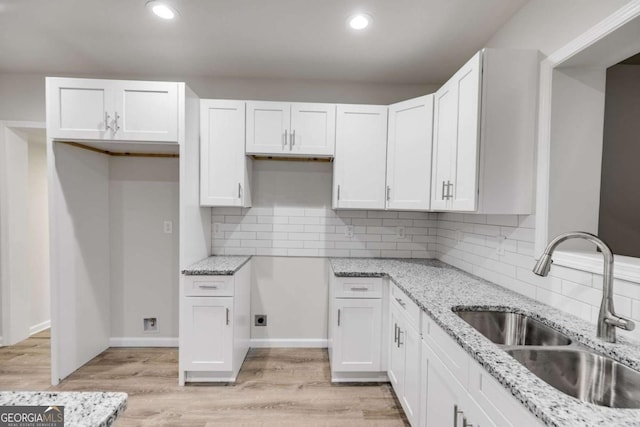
x=511, y=329
x=584, y=375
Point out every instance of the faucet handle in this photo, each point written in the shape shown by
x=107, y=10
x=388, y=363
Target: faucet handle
x=621, y=322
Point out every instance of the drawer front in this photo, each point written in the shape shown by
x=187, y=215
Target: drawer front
x=451, y=354
x=407, y=306
x=357, y=287
x=208, y=286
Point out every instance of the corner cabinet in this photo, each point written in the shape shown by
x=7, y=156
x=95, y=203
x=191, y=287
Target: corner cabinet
x=361, y=149
x=214, y=326
x=290, y=129
x=356, y=327
x=114, y=110
x=484, y=135
x=409, y=154
x=225, y=171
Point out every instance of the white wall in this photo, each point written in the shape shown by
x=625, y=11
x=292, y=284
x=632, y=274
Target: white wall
x=545, y=25
x=143, y=193
x=23, y=95
x=38, y=239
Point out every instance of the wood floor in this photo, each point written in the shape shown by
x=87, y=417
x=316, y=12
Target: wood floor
x=276, y=387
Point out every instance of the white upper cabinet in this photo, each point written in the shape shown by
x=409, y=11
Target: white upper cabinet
x=409, y=154
x=361, y=148
x=224, y=168
x=484, y=135
x=115, y=110
x=455, y=143
x=290, y=129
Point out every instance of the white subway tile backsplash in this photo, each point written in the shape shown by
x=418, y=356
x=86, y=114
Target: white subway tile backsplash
x=273, y=220
x=372, y=222
x=288, y=244
x=399, y=222
x=382, y=214
x=287, y=211
x=311, y=220
x=413, y=215
x=292, y=228
x=506, y=220
x=395, y=254
x=256, y=227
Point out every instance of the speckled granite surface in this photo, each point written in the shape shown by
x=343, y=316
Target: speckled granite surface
x=437, y=288
x=216, y=266
x=81, y=409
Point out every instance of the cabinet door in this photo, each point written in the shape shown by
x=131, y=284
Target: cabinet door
x=409, y=154
x=410, y=341
x=356, y=346
x=146, y=111
x=78, y=108
x=465, y=185
x=313, y=129
x=268, y=127
x=396, y=352
x=223, y=164
x=208, y=345
x=446, y=398
x=361, y=148
x=444, y=144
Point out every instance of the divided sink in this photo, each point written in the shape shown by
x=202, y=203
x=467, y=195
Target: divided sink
x=552, y=356
x=584, y=375
x=509, y=329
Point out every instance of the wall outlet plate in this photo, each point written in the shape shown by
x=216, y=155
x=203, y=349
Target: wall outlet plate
x=349, y=231
x=150, y=325
x=260, y=320
x=400, y=232
x=168, y=227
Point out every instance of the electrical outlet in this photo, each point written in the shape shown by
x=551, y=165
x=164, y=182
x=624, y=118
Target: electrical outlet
x=217, y=232
x=168, y=227
x=400, y=232
x=349, y=231
x=150, y=325
x=500, y=246
x=260, y=320
x=459, y=236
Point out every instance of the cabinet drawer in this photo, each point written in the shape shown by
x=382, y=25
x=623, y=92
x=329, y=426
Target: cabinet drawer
x=358, y=287
x=208, y=286
x=451, y=354
x=407, y=306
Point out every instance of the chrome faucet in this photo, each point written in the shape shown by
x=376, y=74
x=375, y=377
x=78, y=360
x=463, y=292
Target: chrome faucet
x=608, y=321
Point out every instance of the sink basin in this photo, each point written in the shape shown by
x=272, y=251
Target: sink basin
x=512, y=329
x=584, y=375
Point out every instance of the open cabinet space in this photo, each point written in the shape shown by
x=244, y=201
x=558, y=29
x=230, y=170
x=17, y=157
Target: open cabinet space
x=115, y=252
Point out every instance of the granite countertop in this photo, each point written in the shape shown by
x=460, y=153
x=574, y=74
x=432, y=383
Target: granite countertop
x=216, y=266
x=81, y=409
x=438, y=287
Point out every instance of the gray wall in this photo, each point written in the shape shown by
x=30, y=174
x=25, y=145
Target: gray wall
x=619, y=220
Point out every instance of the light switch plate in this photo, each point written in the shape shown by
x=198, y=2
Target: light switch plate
x=168, y=227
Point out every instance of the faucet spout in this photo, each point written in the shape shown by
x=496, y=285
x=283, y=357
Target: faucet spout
x=607, y=319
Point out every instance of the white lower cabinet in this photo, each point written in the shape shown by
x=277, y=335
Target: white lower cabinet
x=458, y=392
x=214, y=326
x=356, y=329
x=404, y=360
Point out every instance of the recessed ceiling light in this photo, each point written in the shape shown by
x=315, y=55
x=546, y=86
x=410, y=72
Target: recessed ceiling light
x=359, y=21
x=162, y=10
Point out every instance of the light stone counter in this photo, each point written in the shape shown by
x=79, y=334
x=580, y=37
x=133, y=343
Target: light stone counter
x=437, y=288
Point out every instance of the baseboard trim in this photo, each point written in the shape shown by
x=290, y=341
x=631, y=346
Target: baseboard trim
x=143, y=342
x=39, y=327
x=289, y=342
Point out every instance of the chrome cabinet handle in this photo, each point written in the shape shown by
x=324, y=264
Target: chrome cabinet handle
x=395, y=332
x=286, y=134
x=227, y=316
x=456, y=412
x=293, y=140
x=443, y=187
x=402, y=303
x=208, y=286
x=239, y=190
x=400, y=332
x=359, y=288
x=338, y=317
x=388, y=193
x=338, y=191
x=106, y=121
x=465, y=423
x=449, y=190
x=116, y=127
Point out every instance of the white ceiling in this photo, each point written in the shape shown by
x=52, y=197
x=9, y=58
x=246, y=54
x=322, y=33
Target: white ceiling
x=410, y=41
